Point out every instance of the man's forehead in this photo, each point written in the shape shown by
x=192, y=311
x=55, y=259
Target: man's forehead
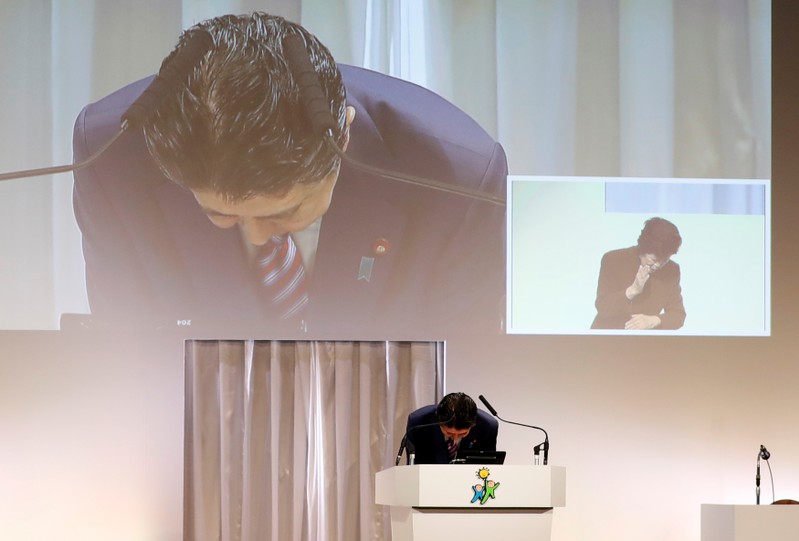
x=254, y=206
x=454, y=429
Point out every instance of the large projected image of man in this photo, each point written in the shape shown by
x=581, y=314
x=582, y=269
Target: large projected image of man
x=639, y=287
x=229, y=211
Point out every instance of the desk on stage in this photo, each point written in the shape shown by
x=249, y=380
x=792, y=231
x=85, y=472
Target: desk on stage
x=511, y=503
x=750, y=522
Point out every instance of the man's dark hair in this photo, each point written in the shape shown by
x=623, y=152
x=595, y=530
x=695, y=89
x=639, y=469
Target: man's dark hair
x=237, y=127
x=659, y=237
x=457, y=410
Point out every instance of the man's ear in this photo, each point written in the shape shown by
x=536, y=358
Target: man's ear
x=350, y=116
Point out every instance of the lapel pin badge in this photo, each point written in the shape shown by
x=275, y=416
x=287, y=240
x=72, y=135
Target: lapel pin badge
x=365, y=269
x=380, y=247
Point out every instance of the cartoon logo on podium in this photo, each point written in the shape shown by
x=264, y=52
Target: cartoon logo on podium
x=484, y=490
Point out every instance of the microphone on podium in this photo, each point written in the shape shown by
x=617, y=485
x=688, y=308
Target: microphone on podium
x=537, y=449
x=765, y=455
x=173, y=73
x=407, y=444
x=323, y=123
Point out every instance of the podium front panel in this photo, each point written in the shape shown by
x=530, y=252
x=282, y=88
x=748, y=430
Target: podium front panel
x=472, y=486
x=414, y=524
x=448, y=501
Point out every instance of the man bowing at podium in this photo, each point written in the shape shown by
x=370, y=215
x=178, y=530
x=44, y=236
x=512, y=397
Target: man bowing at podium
x=439, y=431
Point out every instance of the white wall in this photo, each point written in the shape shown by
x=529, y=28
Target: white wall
x=91, y=433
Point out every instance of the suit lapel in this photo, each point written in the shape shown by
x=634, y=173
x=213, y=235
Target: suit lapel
x=359, y=243
x=361, y=237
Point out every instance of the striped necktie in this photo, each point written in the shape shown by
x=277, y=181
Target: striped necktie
x=281, y=271
x=452, y=449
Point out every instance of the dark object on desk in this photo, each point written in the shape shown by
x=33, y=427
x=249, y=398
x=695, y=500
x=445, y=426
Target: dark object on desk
x=476, y=456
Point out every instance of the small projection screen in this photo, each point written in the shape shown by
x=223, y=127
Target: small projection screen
x=560, y=228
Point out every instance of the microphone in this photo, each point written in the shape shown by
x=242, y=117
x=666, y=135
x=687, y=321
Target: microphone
x=765, y=455
x=489, y=406
x=171, y=74
x=312, y=96
x=406, y=443
x=537, y=449
x=757, y=481
x=323, y=123
x=27, y=173
x=174, y=73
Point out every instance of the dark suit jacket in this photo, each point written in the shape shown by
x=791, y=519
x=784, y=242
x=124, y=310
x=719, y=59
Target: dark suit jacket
x=152, y=256
x=662, y=295
x=429, y=442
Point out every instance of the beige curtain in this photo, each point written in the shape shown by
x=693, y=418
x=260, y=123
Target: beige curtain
x=283, y=439
x=656, y=88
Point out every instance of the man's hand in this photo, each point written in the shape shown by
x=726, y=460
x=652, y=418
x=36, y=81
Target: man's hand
x=641, y=322
x=637, y=286
x=641, y=277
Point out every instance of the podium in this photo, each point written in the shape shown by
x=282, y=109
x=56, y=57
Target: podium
x=449, y=501
x=750, y=522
